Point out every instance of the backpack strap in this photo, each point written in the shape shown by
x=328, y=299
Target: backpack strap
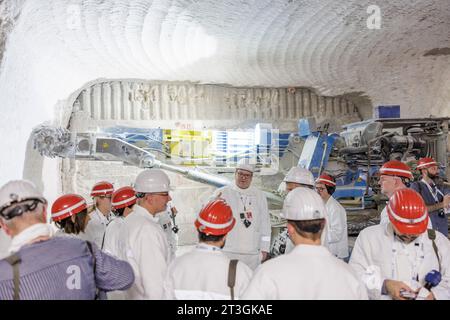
x=97, y=291
x=432, y=237
x=232, y=276
x=14, y=260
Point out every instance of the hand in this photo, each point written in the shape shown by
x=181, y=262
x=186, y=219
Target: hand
x=393, y=288
x=430, y=296
x=446, y=200
x=265, y=255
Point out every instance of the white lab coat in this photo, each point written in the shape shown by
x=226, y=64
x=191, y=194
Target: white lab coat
x=165, y=221
x=96, y=227
x=5, y=242
x=243, y=243
x=309, y=272
x=144, y=245
x=337, y=235
x=112, y=236
x=378, y=255
x=384, y=218
x=202, y=274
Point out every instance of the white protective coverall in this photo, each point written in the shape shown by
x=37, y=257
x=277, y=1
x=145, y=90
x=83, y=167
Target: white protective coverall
x=165, y=221
x=203, y=274
x=384, y=218
x=112, y=236
x=96, y=227
x=379, y=255
x=5, y=242
x=246, y=243
x=144, y=245
x=309, y=272
x=337, y=235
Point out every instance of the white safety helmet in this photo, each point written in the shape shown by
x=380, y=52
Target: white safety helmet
x=300, y=175
x=17, y=191
x=151, y=181
x=244, y=164
x=303, y=204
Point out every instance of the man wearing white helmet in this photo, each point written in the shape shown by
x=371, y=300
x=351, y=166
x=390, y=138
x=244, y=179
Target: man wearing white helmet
x=41, y=266
x=144, y=244
x=296, y=177
x=310, y=271
x=249, y=241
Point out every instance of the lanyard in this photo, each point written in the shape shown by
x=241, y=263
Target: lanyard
x=434, y=194
x=414, y=261
x=244, y=202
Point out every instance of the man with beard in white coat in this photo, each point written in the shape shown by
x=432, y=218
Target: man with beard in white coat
x=144, y=244
x=337, y=235
x=310, y=271
x=395, y=260
x=249, y=241
x=205, y=272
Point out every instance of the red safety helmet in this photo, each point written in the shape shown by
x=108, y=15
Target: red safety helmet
x=408, y=212
x=123, y=197
x=396, y=168
x=426, y=163
x=102, y=188
x=327, y=180
x=216, y=218
x=67, y=205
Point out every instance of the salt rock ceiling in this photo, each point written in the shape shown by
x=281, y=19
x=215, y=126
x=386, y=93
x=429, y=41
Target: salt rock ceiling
x=324, y=45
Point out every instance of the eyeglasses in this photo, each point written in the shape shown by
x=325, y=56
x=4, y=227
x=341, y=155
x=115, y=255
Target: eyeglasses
x=105, y=197
x=244, y=175
x=163, y=194
x=320, y=189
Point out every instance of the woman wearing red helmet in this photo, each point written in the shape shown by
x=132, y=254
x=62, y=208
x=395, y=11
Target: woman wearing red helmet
x=69, y=212
x=201, y=273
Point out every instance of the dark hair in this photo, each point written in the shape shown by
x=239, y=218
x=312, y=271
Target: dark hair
x=311, y=229
x=330, y=189
x=203, y=237
x=119, y=212
x=71, y=227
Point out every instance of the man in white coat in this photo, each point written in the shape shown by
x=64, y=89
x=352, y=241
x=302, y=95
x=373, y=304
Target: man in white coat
x=99, y=218
x=337, y=235
x=144, y=243
x=249, y=241
x=296, y=177
x=205, y=273
x=394, y=260
x=310, y=271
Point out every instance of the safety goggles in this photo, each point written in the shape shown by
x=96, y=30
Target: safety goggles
x=16, y=209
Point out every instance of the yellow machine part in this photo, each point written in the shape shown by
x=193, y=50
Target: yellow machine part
x=190, y=146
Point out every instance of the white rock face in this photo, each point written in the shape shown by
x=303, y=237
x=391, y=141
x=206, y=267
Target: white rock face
x=56, y=47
